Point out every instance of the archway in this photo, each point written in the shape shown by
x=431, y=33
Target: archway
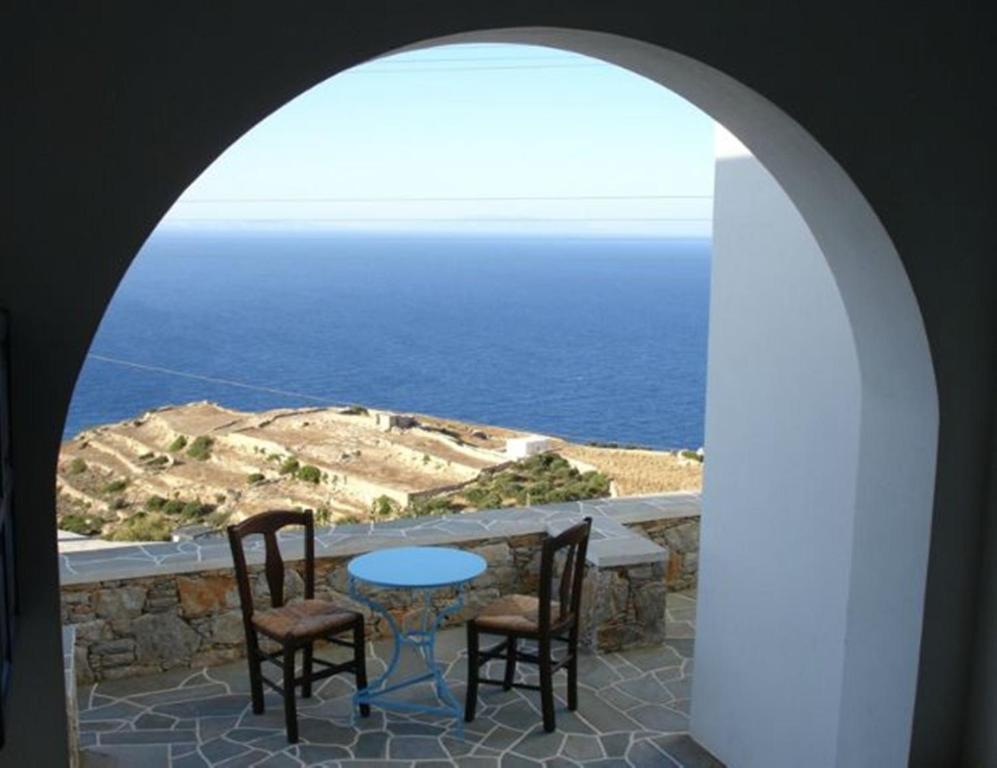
x=893, y=455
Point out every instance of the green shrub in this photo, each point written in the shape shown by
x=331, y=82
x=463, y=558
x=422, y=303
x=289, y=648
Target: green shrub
x=355, y=410
x=159, y=461
x=115, y=486
x=82, y=524
x=173, y=507
x=687, y=454
x=437, y=505
x=155, y=503
x=179, y=444
x=77, y=466
x=195, y=509
x=118, y=503
x=384, y=506
x=255, y=477
x=146, y=456
x=290, y=466
x=323, y=516
x=144, y=526
x=200, y=449
x=310, y=474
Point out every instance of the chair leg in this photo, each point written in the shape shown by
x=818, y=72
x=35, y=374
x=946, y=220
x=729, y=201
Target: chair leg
x=306, y=671
x=255, y=677
x=290, y=707
x=510, y=664
x=573, y=672
x=360, y=662
x=546, y=685
x=471, y=699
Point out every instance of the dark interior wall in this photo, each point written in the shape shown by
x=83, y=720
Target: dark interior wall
x=112, y=108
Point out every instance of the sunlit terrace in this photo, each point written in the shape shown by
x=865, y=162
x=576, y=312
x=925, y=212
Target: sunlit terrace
x=159, y=648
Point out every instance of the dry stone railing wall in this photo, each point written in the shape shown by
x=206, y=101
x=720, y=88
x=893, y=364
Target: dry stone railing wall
x=187, y=616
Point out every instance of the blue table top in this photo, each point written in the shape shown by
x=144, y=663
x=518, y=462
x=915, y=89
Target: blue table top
x=417, y=567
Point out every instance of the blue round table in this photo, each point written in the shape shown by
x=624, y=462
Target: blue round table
x=420, y=569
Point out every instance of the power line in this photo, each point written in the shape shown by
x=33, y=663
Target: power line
x=210, y=379
x=439, y=199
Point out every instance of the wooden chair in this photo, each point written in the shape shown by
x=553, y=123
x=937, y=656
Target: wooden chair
x=540, y=619
x=296, y=626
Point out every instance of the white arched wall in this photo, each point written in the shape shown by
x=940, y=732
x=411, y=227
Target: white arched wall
x=806, y=651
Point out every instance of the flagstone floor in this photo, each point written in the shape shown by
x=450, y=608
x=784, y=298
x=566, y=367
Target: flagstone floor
x=633, y=713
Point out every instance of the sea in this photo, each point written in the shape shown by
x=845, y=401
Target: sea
x=592, y=338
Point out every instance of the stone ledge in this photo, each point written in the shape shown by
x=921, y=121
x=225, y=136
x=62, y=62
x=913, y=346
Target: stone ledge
x=612, y=542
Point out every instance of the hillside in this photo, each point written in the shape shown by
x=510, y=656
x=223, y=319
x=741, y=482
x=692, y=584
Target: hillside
x=199, y=466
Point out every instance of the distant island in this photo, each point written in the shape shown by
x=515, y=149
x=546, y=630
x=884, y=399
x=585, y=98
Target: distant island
x=179, y=472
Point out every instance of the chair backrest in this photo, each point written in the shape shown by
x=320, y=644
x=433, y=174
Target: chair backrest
x=572, y=543
x=268, y=524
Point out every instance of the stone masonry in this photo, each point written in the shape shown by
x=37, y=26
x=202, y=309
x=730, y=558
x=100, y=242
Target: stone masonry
x=146, y=624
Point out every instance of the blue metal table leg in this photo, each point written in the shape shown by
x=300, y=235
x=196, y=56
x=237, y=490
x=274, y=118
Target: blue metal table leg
x=424, y=639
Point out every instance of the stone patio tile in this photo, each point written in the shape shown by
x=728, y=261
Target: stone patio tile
x=643, y=754
x=539, y=744
x=279, y=761
x=313, y=753
x=416, y=729
x=619, y=699
x=120, y=756
x=209, y=728
x=274, y=743
x=147, y=737
x=245, y=760
x=658, y=718
x=120, y=710
x=603, y=717
x=502, y=738
x=97, y=726
x=217, y=750
x=415, y=748
x=371, y=745
x=192, y=693
x=680, y=689
x=682, y=647
x=580, y=747
x=151, y=721
x=245, y=735
x=518, y=715
x=317, y=731
x=457, y=747
x=475, y=761
x=215, y=706
x=687, y=752
x=647, y=689
x=192, y=760
x=615, y=744
x=650, y=659
x=593, y=671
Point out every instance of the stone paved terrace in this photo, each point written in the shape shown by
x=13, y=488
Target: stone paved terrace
x=612, y=544
x=633, y=713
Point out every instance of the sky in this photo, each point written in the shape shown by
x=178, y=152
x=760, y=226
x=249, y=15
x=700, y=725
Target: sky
x=469, y=138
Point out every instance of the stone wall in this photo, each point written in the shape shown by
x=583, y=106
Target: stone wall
x=680, y=536
x=624, y=607
x=145, y=625
x=146, y=609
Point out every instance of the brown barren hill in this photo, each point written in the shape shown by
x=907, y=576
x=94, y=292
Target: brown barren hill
x=636, y=472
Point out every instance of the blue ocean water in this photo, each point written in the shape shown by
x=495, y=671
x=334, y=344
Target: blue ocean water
x=587, y=338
